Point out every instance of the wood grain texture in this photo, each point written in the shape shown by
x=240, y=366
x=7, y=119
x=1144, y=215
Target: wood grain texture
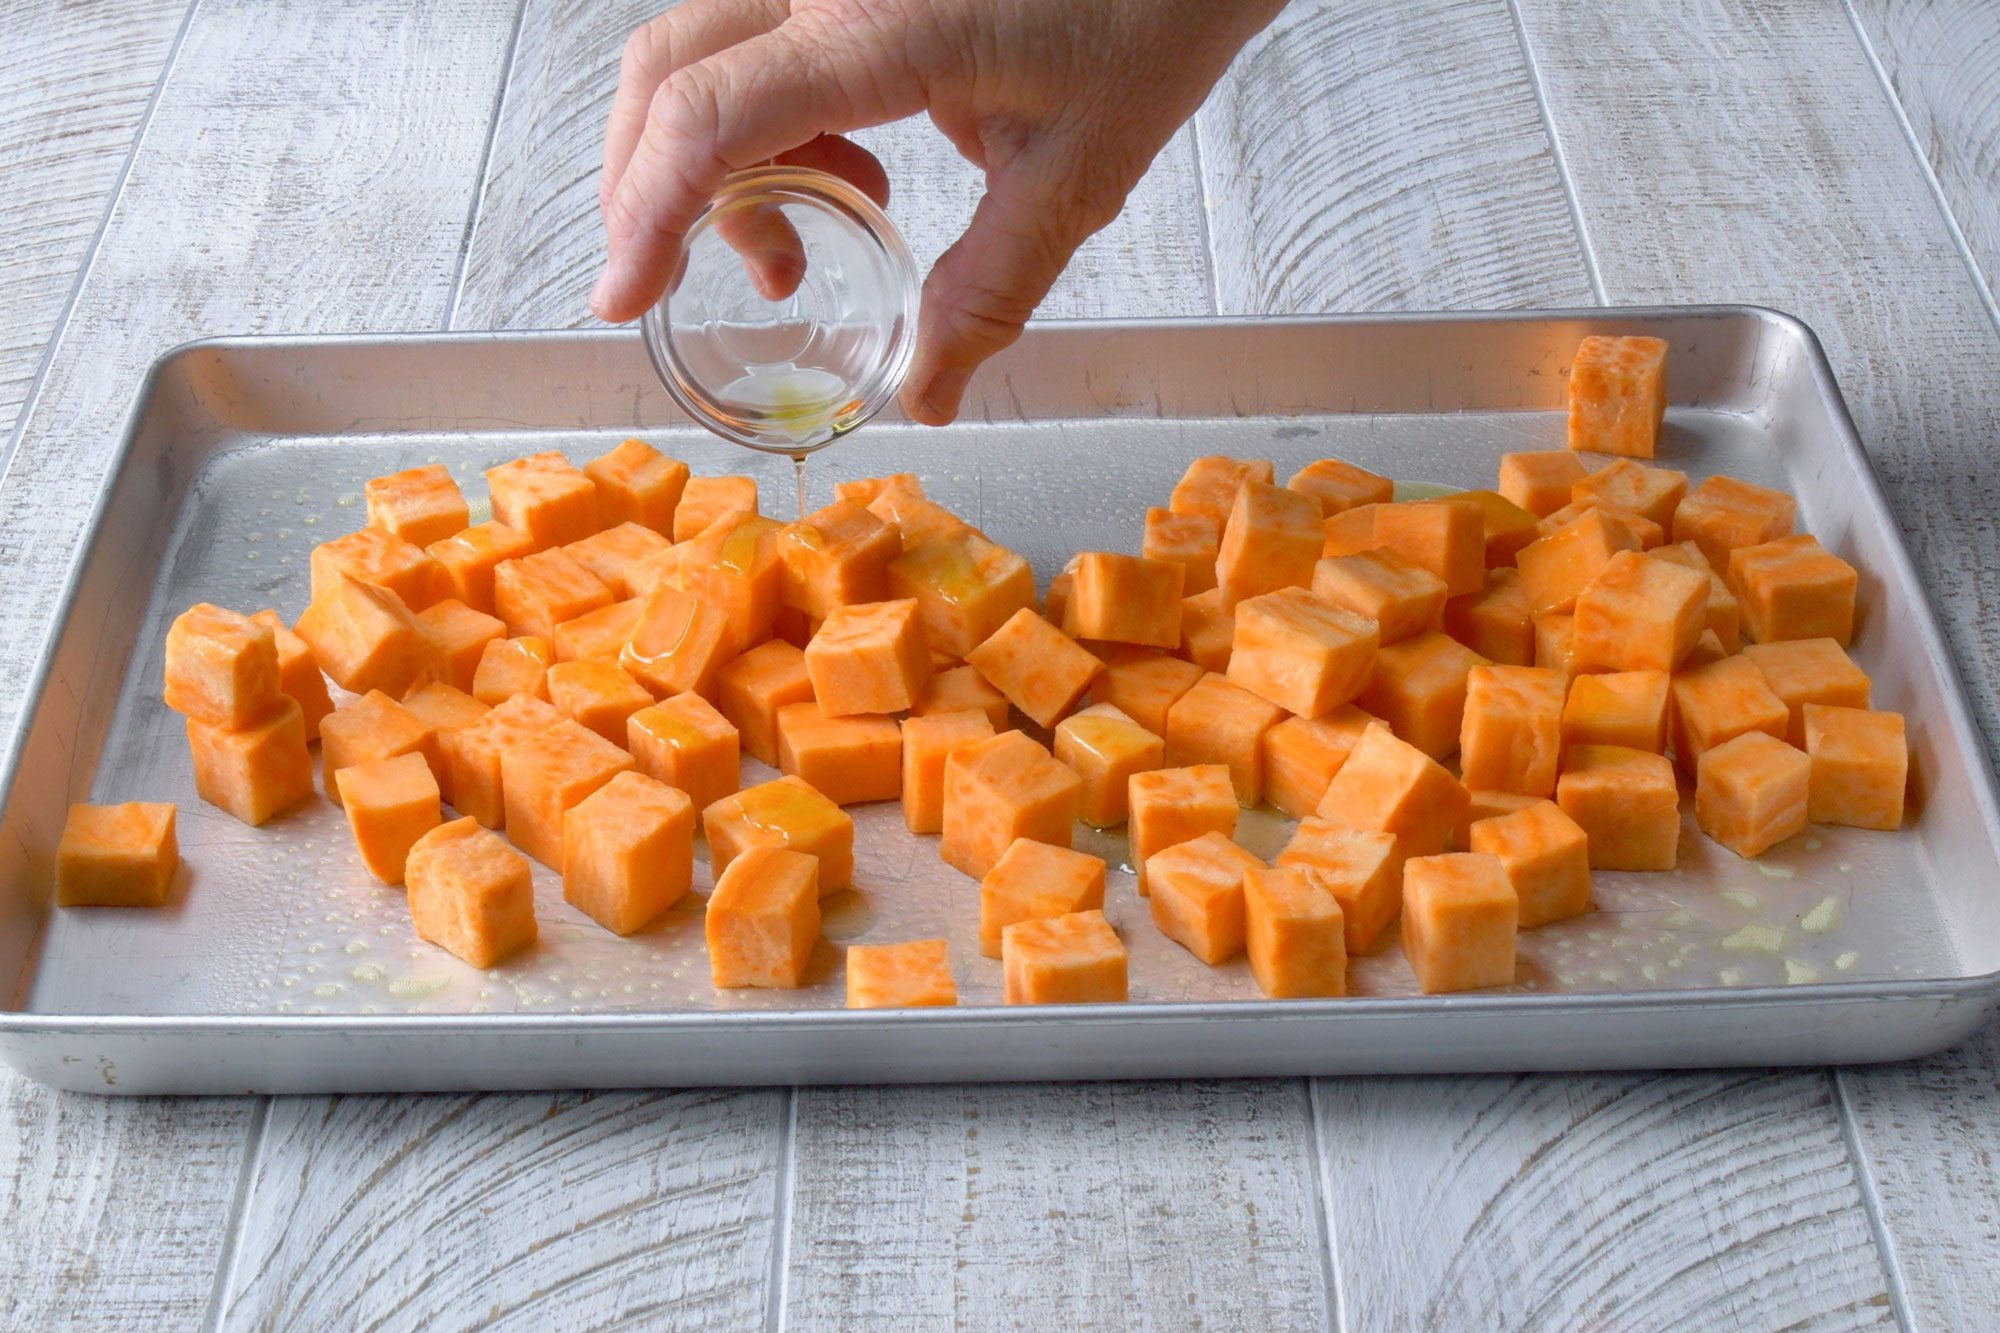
x=538, y=242
x=73, y=91
x=1744, y=1219
x=1079, y=1206
x=1942, y=61
x=1760, y=182
x=463, y=1212
x=1372, y=157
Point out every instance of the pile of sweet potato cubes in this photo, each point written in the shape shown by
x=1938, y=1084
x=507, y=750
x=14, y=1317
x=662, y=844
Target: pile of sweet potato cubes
x=579, y=678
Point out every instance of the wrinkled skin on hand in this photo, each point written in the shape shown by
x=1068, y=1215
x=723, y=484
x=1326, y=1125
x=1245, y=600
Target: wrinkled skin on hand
x=1063, y=104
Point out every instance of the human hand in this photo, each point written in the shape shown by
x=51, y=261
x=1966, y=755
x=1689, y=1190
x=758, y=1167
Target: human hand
x=1062, y=103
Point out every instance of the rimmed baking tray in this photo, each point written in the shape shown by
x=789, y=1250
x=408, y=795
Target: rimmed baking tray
x=279, y=967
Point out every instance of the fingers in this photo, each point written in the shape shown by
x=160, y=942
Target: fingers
x=693, y=31
x=772, y=253
x=984, y=288
x=842, y=157
x=759, y=98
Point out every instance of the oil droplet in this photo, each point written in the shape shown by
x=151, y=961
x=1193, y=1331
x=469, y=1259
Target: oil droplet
x=1730, y=976
x=355, y=947
x=367, y=973
x=1846, y=961
x=1749, y=902
x=1798, y=974
x=1822, y=918
x=1755, y=939
x=347, y=500
x=411, y=988
x=1775, y=872
x=326, y=990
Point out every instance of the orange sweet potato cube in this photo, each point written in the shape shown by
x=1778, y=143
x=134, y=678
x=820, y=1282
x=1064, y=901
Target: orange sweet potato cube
x=1860, y=766
x=599, y=635
x=1494, y=622
x=548, y=773
x=1809, y=671
x=538, y=592
x=1627, y=805
x=1447, y=537
x=1191, y=541
x=1655, y=492
x=545, y=498
x=1750, y=793
x=636, y=483
x=784, y=813
x=1638, y=614
x=869, y=658
x=959, y=688
x=471, y=894
x=1210, y=484
x=863, y=490
x=1196, y=891
x=751, y=689
x=1220, y=722
x=1105, y=748
x=1555, y=568
x=1125, y=599
x=443, y=710
x=1418, y=688
x=364, y=637
x=966, y=588
x=1506, y=526
x=455, y=636
x=1511, y=739
x=1175, y=805
x=1033, y=881
x=763, y=919
x=1001, y=789
x=1555, y=643
x=733, y=566
x=836, y=556
x=1272, y=540
x=1480, y=804
x=1294, y=934
x=679, y=643
x=1722, y=514
x=1719, y=702
x=685, y=743
x=390, y=803
x=704, y=500
x=600, y=695
x=1547, y=859
x=299, y=675
x=472, y=755
x=1644, y=533
x=1723, y=615
x=903, y=505
x=375, y=556
x=1144, y=688
x=372, y=727
x=1041, y=670
x=253, y=772
x=420, y=504
x=1627, y=708
x=1350, y=532
x=1460, y=920
x=1402, y=598
x=1341, y=486
x=1300, y=651
x=928, y=741
x=510, y=667
x=1301, y=755
x=621, y=557
x=1208, y=630
x=1617, y=395
x=1793, y=588
x=628, y=852
x=1391, y=786
x=1540, y=480
x=221, y=667
x=466, y=561
x=119, y=855
x=851, y=760
x=1073, y=959
x=915, y=974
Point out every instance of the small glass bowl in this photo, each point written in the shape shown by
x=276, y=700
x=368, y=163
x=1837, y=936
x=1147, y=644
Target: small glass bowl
x=793, y=318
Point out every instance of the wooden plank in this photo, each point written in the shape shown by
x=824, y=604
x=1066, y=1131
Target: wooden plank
x=1745, y=1218
x=1367, y=157
x=446, y=1212
x=1942, y=61
x=73, y=92
x=1080, y=1206
x=1758, y=183
x=297, y=172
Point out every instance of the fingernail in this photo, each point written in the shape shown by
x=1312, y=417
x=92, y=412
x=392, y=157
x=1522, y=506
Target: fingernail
x=601, y=292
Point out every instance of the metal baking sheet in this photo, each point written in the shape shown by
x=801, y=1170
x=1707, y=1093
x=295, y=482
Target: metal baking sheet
x=279, y=966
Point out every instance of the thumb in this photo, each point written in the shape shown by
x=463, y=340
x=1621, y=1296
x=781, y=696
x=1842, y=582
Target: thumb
x=983, y=289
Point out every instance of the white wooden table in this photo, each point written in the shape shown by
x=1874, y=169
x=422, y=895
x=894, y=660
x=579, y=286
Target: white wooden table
x=170, y=171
